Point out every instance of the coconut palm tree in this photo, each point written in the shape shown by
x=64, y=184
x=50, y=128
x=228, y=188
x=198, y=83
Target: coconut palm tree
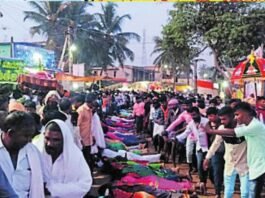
x=113, y=41
x=46, y=15
x=165, y=55
x=54, y=17
x=170, y=56
x=99, y=37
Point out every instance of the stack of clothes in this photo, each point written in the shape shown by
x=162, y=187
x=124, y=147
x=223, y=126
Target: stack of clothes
x=133, y=178
x=137, y=173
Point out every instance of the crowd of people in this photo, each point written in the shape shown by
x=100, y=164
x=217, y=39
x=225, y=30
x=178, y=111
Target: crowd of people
x=221, y=139
x=50, y=144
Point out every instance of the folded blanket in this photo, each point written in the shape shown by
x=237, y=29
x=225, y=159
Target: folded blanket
x=155, y=181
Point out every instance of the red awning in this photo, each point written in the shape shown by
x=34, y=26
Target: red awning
x=35, y=82
x=251, y=68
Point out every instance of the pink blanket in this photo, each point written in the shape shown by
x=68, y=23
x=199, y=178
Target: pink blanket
x=113, y=136
x=155, y=181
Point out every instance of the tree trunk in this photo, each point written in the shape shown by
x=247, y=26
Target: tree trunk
x=217, y=66
x=174, y=79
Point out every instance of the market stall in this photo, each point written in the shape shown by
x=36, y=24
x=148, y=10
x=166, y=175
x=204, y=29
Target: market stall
x=40, y=80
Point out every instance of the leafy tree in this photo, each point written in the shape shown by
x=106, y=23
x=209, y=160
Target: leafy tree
x=230, y=30
x=177, y=48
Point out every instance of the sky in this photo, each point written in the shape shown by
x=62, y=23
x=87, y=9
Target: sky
x=149, y=17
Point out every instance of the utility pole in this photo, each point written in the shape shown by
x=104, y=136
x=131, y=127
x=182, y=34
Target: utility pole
x=144, y=48
x=144, y=54
x=60, y=64
x=195, y=76
x=67, y=45
x=70, y=53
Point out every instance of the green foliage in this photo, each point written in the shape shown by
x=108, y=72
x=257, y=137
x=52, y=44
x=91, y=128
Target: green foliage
x=113, y=41
x=99, y=37
x=231, y=30
x=227, y=28
x=176, y=48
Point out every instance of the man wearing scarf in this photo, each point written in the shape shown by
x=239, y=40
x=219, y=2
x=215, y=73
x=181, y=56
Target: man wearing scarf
x=66, y=171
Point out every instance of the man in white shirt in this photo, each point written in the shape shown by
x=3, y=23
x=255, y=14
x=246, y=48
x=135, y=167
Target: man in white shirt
x=6, y=189
x=20, y=160
x=67, y=173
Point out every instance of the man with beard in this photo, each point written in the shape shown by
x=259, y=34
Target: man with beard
x=253, y=131
x=235, y=156
x=51, y=102
x=20, y=160
x=67, y=172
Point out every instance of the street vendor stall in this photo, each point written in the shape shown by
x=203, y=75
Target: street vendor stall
x=39, y=80
x=251, y=75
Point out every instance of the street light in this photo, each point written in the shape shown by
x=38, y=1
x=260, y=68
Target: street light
x=73, y=48
x=225, y=84
x=37, y=58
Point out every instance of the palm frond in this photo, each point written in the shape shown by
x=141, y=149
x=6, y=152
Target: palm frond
x=129, y=36
x=36, y=17
x=116, y=24
x=38, y=7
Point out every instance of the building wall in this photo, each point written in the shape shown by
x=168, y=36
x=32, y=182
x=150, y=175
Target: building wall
x=131, y=73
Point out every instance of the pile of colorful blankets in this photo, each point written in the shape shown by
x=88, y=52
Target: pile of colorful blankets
x=137, y=173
